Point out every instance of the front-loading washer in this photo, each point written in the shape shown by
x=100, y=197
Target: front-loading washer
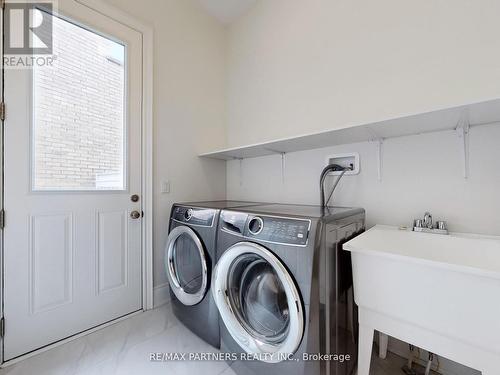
x=189, y=257
x=283, y=288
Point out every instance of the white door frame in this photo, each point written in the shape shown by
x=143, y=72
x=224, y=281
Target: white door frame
x=1, y=181
x=147, y=158
x=147, y=137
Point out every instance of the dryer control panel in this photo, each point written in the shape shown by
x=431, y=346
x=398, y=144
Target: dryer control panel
x=195, y=216
x=279, y=230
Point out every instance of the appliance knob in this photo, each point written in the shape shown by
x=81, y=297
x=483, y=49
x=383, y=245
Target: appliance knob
x=188, y=214
x=256, y=225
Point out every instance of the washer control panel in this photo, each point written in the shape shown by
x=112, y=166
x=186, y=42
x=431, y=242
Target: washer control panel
x=280, y=230
x=196, y=216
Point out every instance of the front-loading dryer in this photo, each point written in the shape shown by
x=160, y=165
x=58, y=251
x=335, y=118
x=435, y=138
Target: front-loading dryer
x=284, y=289
x=189, y=257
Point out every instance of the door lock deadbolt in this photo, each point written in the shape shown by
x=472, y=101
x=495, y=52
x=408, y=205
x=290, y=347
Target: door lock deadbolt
x=134, y=198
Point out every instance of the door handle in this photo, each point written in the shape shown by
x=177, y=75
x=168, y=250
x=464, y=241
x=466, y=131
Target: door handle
x=135, y=214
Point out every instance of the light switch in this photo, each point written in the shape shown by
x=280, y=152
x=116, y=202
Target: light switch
x=165, y=187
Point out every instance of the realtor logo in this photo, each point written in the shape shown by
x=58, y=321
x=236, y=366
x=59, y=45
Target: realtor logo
x=28, y=28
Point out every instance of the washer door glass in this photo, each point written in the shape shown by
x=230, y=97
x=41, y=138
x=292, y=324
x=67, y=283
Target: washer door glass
x=186, y=265
x=258, y=301
x=259, y=298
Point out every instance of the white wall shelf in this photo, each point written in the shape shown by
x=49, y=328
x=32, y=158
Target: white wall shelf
x=445, y=119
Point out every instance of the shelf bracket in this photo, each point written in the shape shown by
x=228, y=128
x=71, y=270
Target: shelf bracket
x=462, y=130
x=380, y=143
x=241, y=171
x=282, y=153
x=283, y=168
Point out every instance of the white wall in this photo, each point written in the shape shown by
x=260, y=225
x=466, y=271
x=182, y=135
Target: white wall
x=189, y=106
x=298, y=66
x=419, y=173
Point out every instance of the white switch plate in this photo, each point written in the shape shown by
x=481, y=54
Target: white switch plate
x=165, y=187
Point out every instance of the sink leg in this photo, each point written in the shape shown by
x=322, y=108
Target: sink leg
x=365, y=349
x=383, y=341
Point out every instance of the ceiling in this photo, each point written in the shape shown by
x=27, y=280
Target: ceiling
x=227, y=11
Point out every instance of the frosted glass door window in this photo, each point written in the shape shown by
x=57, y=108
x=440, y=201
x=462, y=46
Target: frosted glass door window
x=79, y=127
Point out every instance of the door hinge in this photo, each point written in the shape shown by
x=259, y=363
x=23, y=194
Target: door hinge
x=2, y=218
x=2, y=111
x=2, y=327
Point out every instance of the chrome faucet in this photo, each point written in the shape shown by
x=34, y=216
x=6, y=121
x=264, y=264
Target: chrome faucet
x=426, y=225
x=428, y=220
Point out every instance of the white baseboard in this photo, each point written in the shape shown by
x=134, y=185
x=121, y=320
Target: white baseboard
x=161, y=295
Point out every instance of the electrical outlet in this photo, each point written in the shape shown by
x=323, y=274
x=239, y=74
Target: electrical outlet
x=347, y=160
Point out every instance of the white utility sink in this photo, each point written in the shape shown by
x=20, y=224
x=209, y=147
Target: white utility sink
x=438, y=292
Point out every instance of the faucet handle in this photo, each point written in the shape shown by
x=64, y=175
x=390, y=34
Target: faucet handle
x=441, y=225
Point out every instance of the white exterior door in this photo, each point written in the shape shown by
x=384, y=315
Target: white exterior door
x=72, y=236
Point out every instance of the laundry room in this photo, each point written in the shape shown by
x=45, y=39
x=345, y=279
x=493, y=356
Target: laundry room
x=243, y=187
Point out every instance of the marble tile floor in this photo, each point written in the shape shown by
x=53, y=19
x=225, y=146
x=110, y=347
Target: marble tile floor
x=125, y=347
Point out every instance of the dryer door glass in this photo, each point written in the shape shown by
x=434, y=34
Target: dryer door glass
x=258, y=301
x=186, y=265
